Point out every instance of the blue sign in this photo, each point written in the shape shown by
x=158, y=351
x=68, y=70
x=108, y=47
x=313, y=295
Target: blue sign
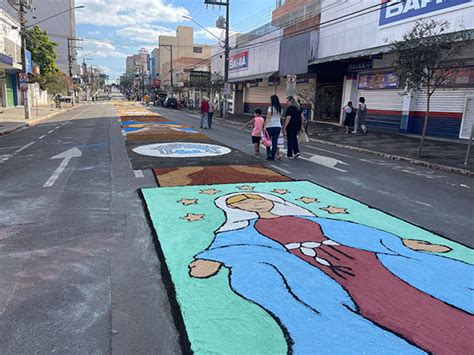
x=392, y=11
x=5, y=59
x=29, y=63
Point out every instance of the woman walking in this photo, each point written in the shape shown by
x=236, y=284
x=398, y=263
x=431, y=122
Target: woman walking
x=273, y=125
x=204, y=113
x=360, y=118
x=349, y=119
x=293, y=126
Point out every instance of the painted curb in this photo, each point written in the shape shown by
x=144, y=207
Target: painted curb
x=12, y=129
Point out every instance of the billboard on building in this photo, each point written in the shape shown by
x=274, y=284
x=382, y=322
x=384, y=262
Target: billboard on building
x=239, y=61
x=393, y=11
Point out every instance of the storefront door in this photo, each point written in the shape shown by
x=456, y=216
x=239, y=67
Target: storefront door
x=10, y=91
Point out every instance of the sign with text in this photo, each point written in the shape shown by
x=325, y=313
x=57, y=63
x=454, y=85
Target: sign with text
x=387, y=80
x=239, y=61
x=392, y=11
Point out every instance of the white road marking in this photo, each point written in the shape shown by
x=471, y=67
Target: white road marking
x=57, y=127
x=124, y=133
x=66, y=157
x=42, y=136
x=423, y=203
x=49, y=132
x=138, y=173
x=24, y=147
x=80, y=113
x=327, y=162
x=327, y=151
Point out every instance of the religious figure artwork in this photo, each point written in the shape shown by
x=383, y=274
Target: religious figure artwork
x=331, y=283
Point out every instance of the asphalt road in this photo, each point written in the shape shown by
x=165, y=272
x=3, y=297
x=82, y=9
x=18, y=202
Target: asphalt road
x=78, y=269
x=435, y=200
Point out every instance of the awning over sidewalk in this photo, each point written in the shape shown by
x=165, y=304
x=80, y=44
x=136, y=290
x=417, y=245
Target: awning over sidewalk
x=357, y=54
x=253, y=77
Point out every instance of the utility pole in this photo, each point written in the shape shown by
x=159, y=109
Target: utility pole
x=22, y=12
x=225, y=3
x=170, y=48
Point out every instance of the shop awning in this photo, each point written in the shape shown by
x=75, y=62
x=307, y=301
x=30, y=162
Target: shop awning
x=253, y=77
x=357, y=54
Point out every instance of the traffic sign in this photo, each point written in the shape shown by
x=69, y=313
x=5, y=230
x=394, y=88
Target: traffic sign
x=291, y=85
x=23, y=79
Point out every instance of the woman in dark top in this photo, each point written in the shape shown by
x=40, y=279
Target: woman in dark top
x=293, y=126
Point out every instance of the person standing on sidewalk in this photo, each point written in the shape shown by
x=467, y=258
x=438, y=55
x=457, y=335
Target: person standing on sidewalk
x=349, y=117
x=360, y=117
x=210, y=113
x=204, y=113
x=273, y=125
x=292, y=127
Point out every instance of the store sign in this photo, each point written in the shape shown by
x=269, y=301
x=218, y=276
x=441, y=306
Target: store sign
x=393, y=11
x=5, y=59
x=181, y=150
x=239, y=61
x=387, y=80
x=360, y=66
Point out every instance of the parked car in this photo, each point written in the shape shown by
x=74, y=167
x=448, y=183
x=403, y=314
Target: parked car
x=171, y=102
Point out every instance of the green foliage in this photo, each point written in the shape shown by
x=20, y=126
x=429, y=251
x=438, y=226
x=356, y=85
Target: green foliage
x=54, y=82
x=43, y=51
x=427, y=54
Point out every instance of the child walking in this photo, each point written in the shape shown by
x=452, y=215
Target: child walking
x=258, y=122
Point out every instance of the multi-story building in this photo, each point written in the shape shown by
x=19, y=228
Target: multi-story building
x=178, y=47
x=354, y=58
x=263, y=58
x=10, y=59
x=61, y=29
x=155, y=68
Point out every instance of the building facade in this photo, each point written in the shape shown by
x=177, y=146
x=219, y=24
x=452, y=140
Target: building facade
x=358, y=49
x=61, y=29
x=177, y=48
x=10, y=59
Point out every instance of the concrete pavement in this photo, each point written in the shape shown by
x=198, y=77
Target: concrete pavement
x=79, y=273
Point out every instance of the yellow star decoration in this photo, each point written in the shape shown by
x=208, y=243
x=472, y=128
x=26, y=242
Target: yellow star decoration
x=307, y=200
x=191, y=217
x=246, y=188
x=335, y=210
x=209, y=192
x=187, y=202
x=280, y=191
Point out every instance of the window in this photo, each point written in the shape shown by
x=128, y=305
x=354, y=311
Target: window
x=197, y=49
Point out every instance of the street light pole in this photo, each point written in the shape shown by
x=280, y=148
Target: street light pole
x=26, y=101
x=225, y=3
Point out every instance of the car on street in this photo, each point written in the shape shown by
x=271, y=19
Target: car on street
x=171, y=102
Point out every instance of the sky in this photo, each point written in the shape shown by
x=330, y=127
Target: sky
x=115, y=29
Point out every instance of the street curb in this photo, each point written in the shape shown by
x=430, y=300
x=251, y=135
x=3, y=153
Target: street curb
x=413, y=161
x=12, y=129
x=426, y=164
x=35, y=121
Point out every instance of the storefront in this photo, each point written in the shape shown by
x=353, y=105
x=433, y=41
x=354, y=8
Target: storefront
x=365, y=67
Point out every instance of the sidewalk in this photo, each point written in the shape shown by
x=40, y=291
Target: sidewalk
x=441, y=154
x=13, y=118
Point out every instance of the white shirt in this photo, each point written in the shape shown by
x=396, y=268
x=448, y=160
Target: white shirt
x=275, y=119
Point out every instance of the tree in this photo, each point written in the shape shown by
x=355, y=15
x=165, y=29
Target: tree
x=43, y=51
x=427, y=54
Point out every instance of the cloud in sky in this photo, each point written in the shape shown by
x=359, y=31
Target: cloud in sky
x=98, y=48
x=145, y=34
x=120, y=13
